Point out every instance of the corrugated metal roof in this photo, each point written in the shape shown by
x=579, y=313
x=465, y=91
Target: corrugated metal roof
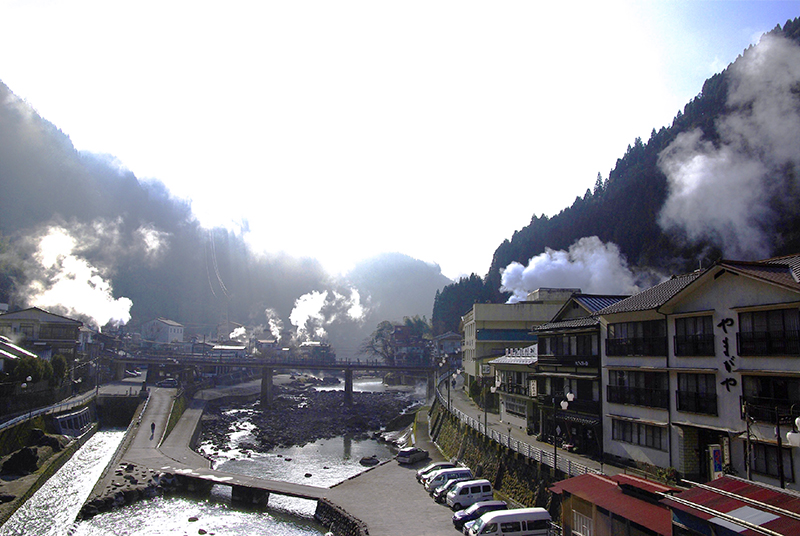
x=653, y=297
x=605, y=492
x=769, y=507
x=513, y=360
x=596, y=302
x=574, y=323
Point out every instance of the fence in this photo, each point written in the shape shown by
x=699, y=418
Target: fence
x=565, y=464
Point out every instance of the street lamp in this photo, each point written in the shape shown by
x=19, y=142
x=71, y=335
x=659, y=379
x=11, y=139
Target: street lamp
x=24, y=387
x=569, y=397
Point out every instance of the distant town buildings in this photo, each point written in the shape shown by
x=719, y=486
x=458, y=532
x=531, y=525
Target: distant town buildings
x=162, y=330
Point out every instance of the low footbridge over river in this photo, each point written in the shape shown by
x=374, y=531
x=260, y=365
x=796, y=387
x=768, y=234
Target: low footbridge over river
x=268, y=366
x=148, y=447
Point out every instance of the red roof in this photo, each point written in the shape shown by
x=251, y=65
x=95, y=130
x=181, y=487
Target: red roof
x=605, y=492
x=760, y=504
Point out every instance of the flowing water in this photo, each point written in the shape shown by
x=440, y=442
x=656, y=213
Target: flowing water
x=52, y=510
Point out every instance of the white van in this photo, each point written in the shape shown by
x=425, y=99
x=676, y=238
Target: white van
x=468, y=493
x=442, y=477
x=516, y=522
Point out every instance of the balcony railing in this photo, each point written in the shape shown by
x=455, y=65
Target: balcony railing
x=689, y=345
x=765, y=409
x=697, y=402
x=513, y=388
x=656, y=346
x=768, y=342
x=638, y=396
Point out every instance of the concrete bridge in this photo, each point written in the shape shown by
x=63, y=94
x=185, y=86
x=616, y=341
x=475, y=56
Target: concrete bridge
x=268, y=367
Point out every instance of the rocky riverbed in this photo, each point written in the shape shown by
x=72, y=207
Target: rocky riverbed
x=299, y=416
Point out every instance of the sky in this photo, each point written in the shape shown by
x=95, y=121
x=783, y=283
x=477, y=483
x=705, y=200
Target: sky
x=341, y=130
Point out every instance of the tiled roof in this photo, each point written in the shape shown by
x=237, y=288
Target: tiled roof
x=652, y=298
x=781, y=271
x=39, y=315
x=793, y=261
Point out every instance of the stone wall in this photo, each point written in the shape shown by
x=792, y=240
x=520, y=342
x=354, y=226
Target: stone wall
x=517, y=479
x=338, y=521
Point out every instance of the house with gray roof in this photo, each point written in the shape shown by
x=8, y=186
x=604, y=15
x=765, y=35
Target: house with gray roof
x=701, y=371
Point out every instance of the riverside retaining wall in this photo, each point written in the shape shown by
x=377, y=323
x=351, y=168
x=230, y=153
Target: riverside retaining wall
x=520, y=480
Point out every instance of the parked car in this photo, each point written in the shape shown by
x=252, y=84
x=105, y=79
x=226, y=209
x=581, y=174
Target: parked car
x=441, y=477
x=435, y=466
x=475, y=511
x=517, y=521
x=440, y=493
x=167, y=382
x=411, y=455
x=468, y=493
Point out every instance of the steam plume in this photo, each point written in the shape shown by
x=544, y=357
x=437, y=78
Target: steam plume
x=65, y=282
x=590, y=265
x=315, y=311
x=731, y=192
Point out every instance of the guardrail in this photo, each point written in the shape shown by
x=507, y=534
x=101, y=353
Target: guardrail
x=55, y=408
x=565, y=464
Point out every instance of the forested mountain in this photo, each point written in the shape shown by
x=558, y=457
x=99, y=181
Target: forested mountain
x=82, y=237
x=721, y=181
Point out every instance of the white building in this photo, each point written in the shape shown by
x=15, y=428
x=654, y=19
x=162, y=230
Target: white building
x=684, y=361
x=162, y=330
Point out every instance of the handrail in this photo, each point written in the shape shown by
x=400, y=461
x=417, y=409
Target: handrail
x=565, y=464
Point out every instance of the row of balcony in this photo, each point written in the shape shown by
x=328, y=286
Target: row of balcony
x=752, y=343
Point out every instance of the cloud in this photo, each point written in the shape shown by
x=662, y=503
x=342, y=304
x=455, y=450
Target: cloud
x=590, y=265
x=732, y=191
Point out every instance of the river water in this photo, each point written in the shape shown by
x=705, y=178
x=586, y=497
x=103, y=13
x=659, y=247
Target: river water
x=52, y=510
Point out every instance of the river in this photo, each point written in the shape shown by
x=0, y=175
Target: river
x=52, y=510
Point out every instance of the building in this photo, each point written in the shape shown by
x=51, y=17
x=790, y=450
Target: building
x=10, y=353
x=447, y=344
x=513, y=385
x=620, y=505
x=734, y=506
x=701, y=370
x=162, y=330
x=45, y=334
x=489, y=328
x=566, y=383
x=409, y=347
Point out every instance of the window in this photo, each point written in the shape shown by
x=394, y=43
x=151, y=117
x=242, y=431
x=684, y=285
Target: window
x=638, y=388
x=581, y=524
x=515, y=407
x=645, y=435
x=637, y=338
x=775, y=332
x=765, y=461
x=510, y=526
x=697, y=393
x=694, y=336
x=765, y=393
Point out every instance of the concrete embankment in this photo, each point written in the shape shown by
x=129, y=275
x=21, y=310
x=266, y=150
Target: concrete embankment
x=21, y=488
x=515, y=478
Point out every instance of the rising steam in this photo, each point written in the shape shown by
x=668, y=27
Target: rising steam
x=63, y=281
x=590, y=265
x=731, y=192
x=315, y=311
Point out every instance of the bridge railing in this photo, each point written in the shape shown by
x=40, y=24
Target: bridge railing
x=566, y=465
